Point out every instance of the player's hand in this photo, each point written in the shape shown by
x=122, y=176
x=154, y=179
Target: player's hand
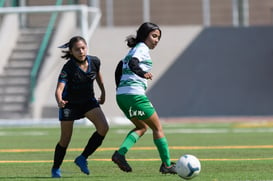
x=62, y=103
x=101, y=99
x=148, y=75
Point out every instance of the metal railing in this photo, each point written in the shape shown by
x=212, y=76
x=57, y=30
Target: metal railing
x=86, y=29
x=240, y=12
x=2, y=3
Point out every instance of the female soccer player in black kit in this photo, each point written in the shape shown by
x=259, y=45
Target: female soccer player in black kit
x=75, y=98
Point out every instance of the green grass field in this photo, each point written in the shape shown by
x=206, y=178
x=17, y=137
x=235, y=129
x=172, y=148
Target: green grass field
x=227, y=151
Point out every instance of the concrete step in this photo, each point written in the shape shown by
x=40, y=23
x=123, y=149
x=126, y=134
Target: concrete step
x=23, y=55
x=13, y=115
x=33, y=31
x=13, y=107
x=13, y=80
x=14, y=89
x=20, y=63
x=9, y=98
x=17, y=71
x=30, y=37
x=27, y=46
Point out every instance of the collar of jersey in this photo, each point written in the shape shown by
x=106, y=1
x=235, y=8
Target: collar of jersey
x=89, y=63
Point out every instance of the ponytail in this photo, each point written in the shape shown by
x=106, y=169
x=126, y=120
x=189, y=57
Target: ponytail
x=131, y=41
x=67, y=55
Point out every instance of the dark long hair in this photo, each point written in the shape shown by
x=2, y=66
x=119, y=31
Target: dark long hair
x=70, y=45
x=142, y=33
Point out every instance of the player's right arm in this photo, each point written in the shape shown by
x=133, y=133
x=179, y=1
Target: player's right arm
x=58, y=94
x=62, y=80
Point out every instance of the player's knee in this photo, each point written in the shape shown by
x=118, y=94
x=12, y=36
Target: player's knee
x=141, y=131
x=103, y=129
x=64, y=143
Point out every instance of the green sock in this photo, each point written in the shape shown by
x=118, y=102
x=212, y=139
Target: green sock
x=163, y=149
x=128, y=142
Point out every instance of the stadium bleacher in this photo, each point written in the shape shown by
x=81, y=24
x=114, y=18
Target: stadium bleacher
x=181, y=30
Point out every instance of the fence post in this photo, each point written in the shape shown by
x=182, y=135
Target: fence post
x=109, y=13
x=146, y=10
x=235, y=13
x=206, y=12
x=246, y=12
x=84, y=22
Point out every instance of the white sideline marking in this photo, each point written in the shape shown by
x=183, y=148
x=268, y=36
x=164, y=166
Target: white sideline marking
x=22, y=133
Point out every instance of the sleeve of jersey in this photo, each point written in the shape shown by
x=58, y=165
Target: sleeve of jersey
x=136, y=58
x=134, y=66
x=96, y=62
x=63, y=76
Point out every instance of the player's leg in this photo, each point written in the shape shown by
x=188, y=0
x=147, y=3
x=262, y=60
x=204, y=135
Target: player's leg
x=159, y=138
x=60, y=149
x=161, y=143
x=97, y=117
x=66, y=133
x=127, y=104
x=131, y=138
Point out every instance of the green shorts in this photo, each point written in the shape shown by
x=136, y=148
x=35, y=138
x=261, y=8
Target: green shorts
x=135, y=106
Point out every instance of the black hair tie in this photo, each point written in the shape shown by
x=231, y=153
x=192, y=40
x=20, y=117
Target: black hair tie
x=66, y=45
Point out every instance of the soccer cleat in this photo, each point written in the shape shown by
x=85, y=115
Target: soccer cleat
x=171, y=169
x=81, y=162
x=121, y=162
x=56, y=173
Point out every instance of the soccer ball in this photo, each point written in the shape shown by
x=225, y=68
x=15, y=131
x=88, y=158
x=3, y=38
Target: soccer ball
x=188, y=167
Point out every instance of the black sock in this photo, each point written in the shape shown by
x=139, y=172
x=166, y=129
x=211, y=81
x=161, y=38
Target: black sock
x=94, y=142
x=59, y=155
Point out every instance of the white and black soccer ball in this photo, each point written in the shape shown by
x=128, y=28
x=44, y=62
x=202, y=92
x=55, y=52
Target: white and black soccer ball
x=188, y=166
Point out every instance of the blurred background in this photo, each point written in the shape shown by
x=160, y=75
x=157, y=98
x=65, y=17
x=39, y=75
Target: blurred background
x=215, y=58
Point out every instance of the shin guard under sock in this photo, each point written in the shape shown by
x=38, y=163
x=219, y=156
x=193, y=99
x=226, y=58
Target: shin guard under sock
x=94, y=142
x=128, y=142
x=163, y=149
x=59, y=155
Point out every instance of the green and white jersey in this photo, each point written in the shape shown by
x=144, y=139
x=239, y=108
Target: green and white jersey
x=131, y=83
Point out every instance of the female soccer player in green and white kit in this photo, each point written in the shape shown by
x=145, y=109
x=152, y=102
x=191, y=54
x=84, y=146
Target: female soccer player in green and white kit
x=131, y=76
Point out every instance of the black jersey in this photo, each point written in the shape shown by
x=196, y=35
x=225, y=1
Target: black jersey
x=79, y=84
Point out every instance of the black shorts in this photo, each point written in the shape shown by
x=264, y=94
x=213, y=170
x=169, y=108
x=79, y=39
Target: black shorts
x=76, y=111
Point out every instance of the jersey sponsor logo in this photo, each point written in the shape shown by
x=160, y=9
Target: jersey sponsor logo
x=134, y=113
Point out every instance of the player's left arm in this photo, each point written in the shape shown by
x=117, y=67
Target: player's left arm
x=99, y=80
x=134, y=66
